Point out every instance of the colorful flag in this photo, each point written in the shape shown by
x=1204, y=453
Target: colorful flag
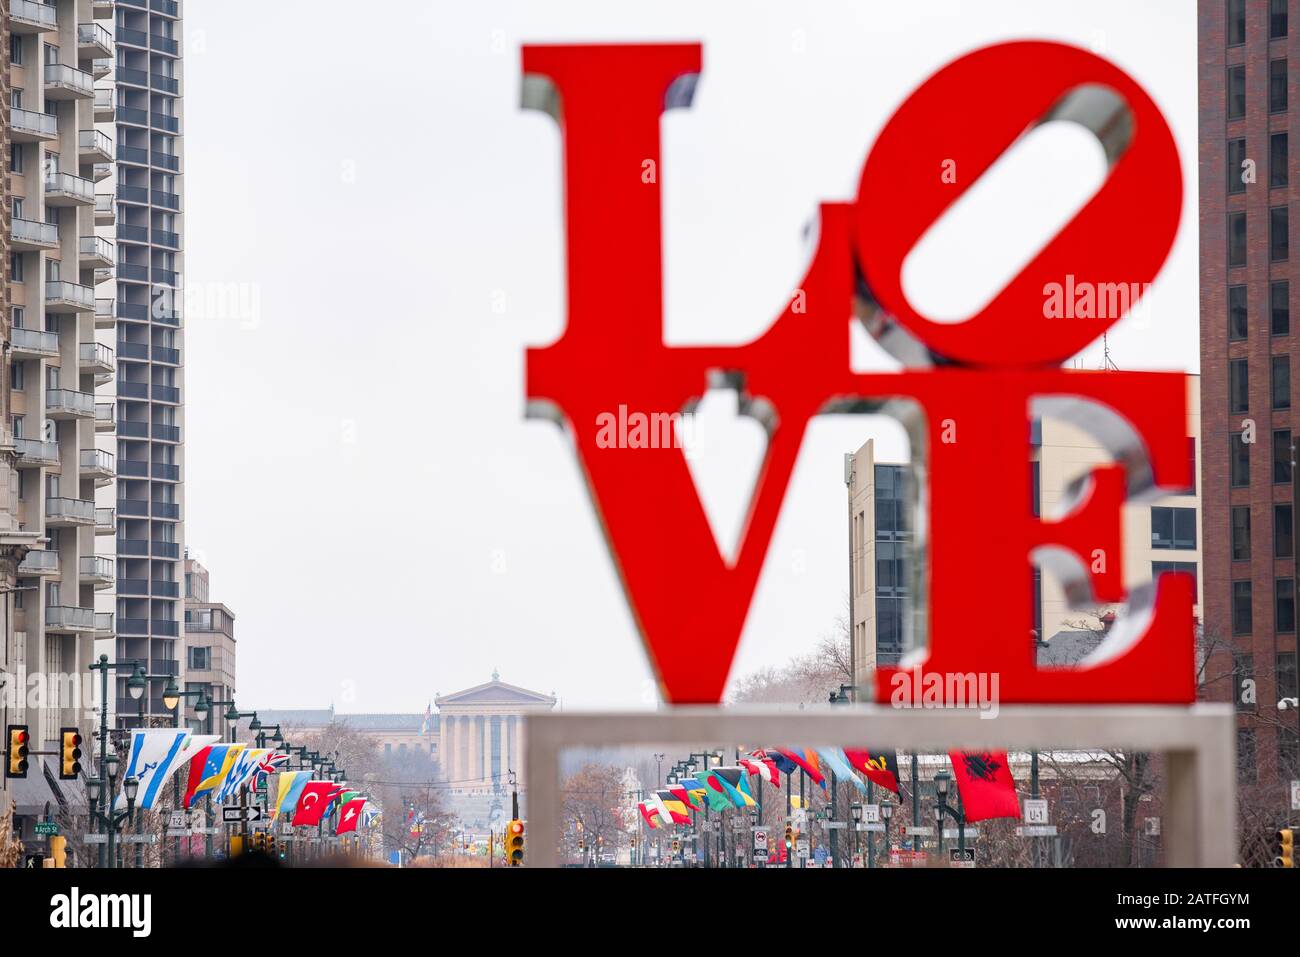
x=350, y=815
x=672, y=808
x=806, y=758
x=427, y=725
x=835, y=759
x=154, y=755
x=764, y=767
x=289, y=789
x=879, y=766
x=313, y=801
x=985, y=784
x=268, y=766
x=241, y=770
x=208, y=768
x=683, y=795
x=695, y=793
x=735, y=784
x=783, y=764
x=649, y=812
x=717, y=794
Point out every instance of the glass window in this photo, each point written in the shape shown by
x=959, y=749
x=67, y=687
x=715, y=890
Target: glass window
x=1236, y=92
x=1280, y=382
x=1238, y=386
x=1241, y=613
x=1247, y=769
x=1173, y=527
x=1277, y=86
x=1238, y=321
x=1236, y=160
x=1279, y=302
x=1159, y=568
x=1278, y=230
x=1240, y=533
x=1277, y=173
x=1236, y=239
x=1281, y=456
x=1236, y=22
x=1276, y=19
x=1283, y=546
x=1238, y=460
x=1284, y=608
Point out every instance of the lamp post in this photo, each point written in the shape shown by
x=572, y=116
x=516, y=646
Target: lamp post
x=886, y=812
x=135, y=688
x=942, y=782
x=105, y=786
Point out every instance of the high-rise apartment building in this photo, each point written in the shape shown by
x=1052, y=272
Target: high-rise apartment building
x=147, y=306
x=209, y=643
x=51, y=462
x=1248, y=337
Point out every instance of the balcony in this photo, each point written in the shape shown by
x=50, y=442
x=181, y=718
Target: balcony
x=69, y=404
x=132, y=389
x=105, y=521
x=133, y=234
x=166, y=471
x=168, y=510
x=40, y=562
x=98, y=570
x=97, y=358
x=164, y=44
x=97, y=464
x=133, y=194
x=134, y=38
x=165, y=589
x=133, y=350
x=65, y=82
x=132, y=115
x=133, y=507
x=34, y=344
x=167, y=628
x=167, y=355
x=167, y=161
x=131, y=468
x=105, y=313
x=166, y=200
x=133, y=154
x=105, y=210
x=33, y=453
x=105, y=106
x=168, y=8
x=95, y=146
x=69, y=511
x=101, y=171
x=130, y=76
x=104, y=624
x=96, y=252
x=32, y=236
x=28, y=16
x=132, y=429
x=64, y=296
x=164, y=84
x=102, y=9
x=166, y=550
x=133, y=586
x=28, y=126
x=93, y=41
x=133, y=546
x=68, y=189
x=166, y=239
x=69, y=618
x=133, y=272
x=101, y=67
x=164, y=122
x=166, y=393
x=105, y=416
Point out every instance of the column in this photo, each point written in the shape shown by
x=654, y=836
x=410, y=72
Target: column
x=446, y=747
x=485, y=750
x=476, y=748
x=519, y=746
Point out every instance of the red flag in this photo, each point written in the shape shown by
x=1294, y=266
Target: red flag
x=349, y=815
x=985, y=784
x=807, y=760
x=197, y=765
x=313, y=801
x=879, y=766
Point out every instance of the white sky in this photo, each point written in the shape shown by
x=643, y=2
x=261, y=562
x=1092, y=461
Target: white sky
x=361, y=481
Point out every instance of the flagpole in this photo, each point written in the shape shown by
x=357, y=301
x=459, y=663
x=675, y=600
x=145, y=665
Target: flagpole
x=871, y=835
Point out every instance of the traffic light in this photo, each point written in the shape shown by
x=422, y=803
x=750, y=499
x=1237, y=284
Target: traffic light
x=16, y=755
x=259, y=842
x=515, y=843
x=789, y=836
x=59, y=850
x=270, y=846
x=1285, y=848
x=70, y=753
x=676, y=845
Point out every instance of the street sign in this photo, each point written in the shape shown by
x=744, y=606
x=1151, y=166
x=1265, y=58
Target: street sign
x=234, y=814
x=1035, y=810
x=760, y=842
x=925, y=831
x=877, y=827
x=1037, y=830
x=871, y=813
x=47, y=828
x=178, y=819
x=1295, y=795
x=955, y=833
x=95, y=839
x=178, y=832
x=138, y=839
x=961, y=858
x=801, y=847
x=908, y=858
x=834, y=825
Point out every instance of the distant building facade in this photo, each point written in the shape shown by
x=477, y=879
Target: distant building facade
x=209, y=642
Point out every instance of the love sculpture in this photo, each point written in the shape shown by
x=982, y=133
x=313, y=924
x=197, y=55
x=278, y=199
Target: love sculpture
x=974, y=381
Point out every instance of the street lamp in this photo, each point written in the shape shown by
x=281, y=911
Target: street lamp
x=942, y=784
x=104, y=787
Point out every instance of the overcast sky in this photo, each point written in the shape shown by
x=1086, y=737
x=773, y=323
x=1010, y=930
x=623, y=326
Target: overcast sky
x=361, y=481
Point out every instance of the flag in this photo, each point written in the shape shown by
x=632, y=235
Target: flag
x=764, y=767
x=208, y=767
x=350, y=815
x=289, y=789
x=427, y=725
x=717, y=794
x=672, y=808
x=806, y=758
x=155, y=753
x=370, y=815
x=695, y=793
x=268, y=766
x=245, y=763
x=879, y=766
x=985, y=784
x=683, y=795
x=836, y=760
x=735, y=784
x=313, y=801
x=783, y=764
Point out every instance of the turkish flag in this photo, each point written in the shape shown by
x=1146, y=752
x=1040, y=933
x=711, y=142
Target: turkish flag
x=349, y=815
x=985, y=784
x=313, y=801
x=879, y=766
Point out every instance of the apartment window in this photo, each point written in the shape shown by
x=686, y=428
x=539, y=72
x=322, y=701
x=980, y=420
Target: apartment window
x=1241, y=614
x=17, y=316
x=1236, y=239
x=1247, y=770
x=16, y=267
x=1243, y=675
x=1281, y=456
x=1276, y=19
x=1189, y=568
x=1236, y=22
x=891, y=577
x=1236, y=92
x=1173, y=527
x=1279, y=306
x=1283, y=543
x=200, y=659
x=1238, y=386
x=1284, y=606
x=16, y=98
x=1277, y=174
x=1280, y=382
x=15, y=49
x=1238, y=319
x=16, y=159
x=1236, y=163
x=18, y=384
x=1238, y=460
x=1191, y=464
x=1277, y=234
x=1277, y=86
x=1241, y=533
